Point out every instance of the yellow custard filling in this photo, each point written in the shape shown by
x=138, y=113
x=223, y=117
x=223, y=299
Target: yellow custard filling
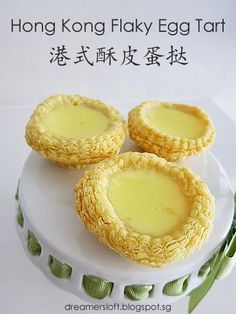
x=148, y=202
x=145, y=208
x=75, y=121
x=175, y=122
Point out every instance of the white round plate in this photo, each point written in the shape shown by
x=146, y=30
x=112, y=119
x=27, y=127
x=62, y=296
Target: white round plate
x=47, y=201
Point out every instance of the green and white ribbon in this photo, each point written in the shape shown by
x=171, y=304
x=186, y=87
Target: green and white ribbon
x=138, y=293
x=59, y=269
x=33, y=245
x=220, y=267
x=17, y=191
x=97, y=287
x=228, y=259
x=177, y=287
x=20, y=217
x=206, y=268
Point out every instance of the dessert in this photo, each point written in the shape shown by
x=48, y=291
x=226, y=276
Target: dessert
x=141, y=206
x=145, y=208
x=74, y=131
x=172, y=131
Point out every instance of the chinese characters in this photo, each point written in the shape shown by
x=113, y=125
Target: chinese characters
x=152, y=56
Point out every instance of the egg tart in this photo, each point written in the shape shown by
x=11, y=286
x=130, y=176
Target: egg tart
x=145, y=208
x=73, y=131
x=172, y=131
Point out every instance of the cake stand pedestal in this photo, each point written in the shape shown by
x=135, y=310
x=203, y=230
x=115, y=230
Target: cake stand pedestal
x=57, y=242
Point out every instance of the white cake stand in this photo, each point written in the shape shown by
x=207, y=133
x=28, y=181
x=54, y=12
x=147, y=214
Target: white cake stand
x=46, y=199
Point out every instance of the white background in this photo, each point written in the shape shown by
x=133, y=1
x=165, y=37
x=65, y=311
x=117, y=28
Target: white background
x=27, y=77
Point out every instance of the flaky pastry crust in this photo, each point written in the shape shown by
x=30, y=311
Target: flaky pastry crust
x=172, y=148
x=98, y=214
x=75, y=153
